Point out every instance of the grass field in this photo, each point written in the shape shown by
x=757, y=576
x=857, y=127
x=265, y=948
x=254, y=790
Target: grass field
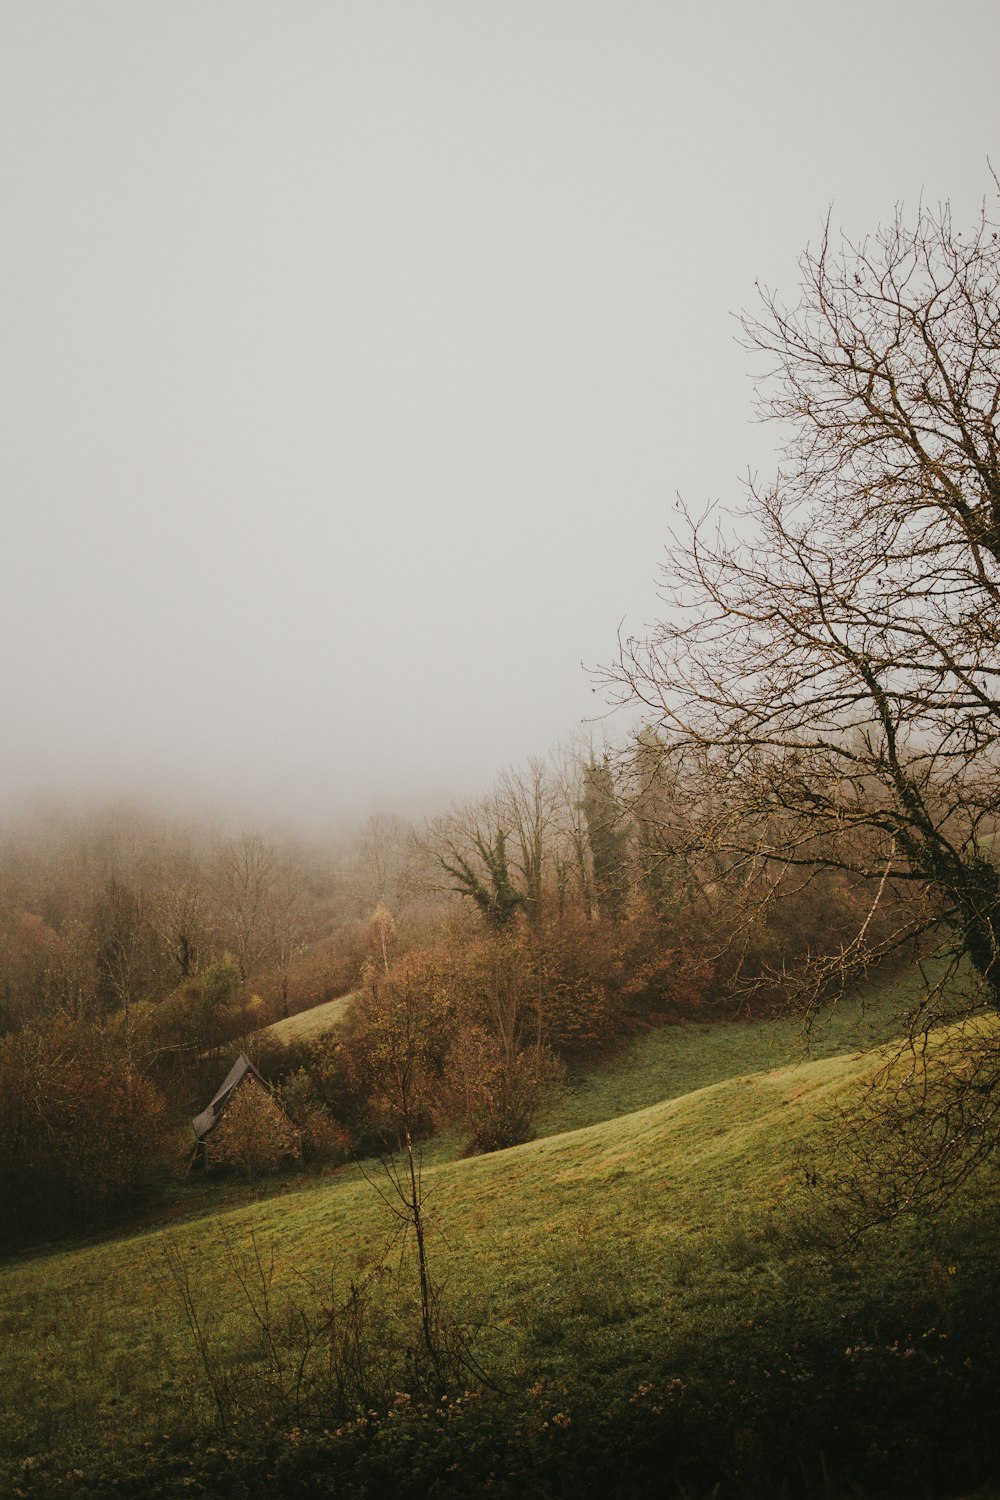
x=309, y=1024
x=662, y=1221
x=670, y=1061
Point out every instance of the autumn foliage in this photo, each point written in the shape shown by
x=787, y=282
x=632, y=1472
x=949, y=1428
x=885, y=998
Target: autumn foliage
x=79, y=1133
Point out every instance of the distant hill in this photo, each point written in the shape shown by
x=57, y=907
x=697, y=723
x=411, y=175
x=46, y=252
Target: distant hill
x=309, y=1024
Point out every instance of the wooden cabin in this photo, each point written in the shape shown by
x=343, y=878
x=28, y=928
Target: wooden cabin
x=245, y=1126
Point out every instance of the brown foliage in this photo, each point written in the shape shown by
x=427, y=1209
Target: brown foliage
x=324, y=1139
x=494, y=1094
x=579, y=966
x=29, y=951
x=254, y=1135
x=499, y=1056
x=79, y=1132
x=326, y=970
x=670, y=967
x=395, y=1039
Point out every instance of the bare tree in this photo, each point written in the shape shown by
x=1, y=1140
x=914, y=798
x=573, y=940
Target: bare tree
x=73, y=978
x=181, y=921
x=381, y=858
x=520, y=844
x=828, y=660
x=399, y=1027
x=528, y=804
x=245, y=875
x=287, y=924
x=837, y=667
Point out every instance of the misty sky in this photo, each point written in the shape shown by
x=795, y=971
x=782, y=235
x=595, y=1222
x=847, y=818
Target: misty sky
x=351, y=354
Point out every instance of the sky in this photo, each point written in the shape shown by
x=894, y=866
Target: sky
x=352, y=356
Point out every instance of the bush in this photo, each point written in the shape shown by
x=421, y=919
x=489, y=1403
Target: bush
x=579, y=972
x=494, y=1094
x=324, y=1140
x=80, y=1132
x=671, y=963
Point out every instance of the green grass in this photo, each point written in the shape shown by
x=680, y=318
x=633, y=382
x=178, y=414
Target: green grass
x=671, y=1061
x=309, y=1024
x=646, y=1240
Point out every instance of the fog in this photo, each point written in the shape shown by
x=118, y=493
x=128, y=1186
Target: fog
x=353, y=354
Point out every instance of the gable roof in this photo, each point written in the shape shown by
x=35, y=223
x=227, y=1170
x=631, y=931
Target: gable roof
x=241, y=1067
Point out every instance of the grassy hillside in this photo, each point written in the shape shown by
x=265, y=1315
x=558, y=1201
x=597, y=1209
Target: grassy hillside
x=670, y=1061
x=309, y=1024
x=665, y=1255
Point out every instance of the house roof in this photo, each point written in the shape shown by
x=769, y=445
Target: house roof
x=241, y=1067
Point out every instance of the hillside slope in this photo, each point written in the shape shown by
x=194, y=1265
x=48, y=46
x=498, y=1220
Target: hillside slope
x=307, y=1025
x=669, y=1061
x=619, y=1248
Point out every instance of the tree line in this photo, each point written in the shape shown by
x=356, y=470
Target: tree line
x=513, y=934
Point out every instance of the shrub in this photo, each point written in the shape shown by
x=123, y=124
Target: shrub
x=324, y=1140
x=80, y=1132
x=495, y=1095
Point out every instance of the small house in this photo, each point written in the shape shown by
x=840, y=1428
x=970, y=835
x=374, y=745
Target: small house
x=245, y=1126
